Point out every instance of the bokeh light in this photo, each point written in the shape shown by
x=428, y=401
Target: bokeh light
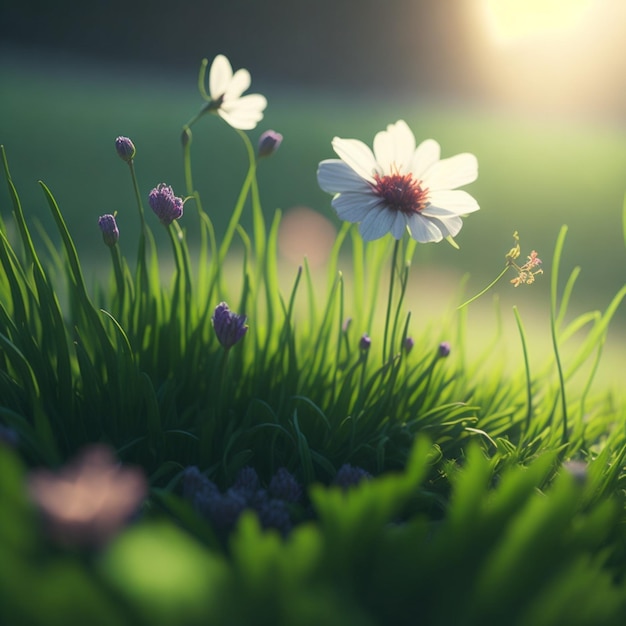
x=305, y=233
x=563, y=57
x=512, y=20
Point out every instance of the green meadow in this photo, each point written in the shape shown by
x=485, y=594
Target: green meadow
x=58, y=123
x=199, y=427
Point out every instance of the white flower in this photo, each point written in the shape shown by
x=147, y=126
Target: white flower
x=399, y=187
x=225, y=89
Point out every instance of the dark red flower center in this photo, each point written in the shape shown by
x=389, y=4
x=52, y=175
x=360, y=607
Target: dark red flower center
x=401, y=192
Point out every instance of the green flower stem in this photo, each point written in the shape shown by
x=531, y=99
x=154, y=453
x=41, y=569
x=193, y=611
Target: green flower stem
x=236, y=216
x=142, y=234
x=404, y=280
x=486, y=289
x=118, y=271
x=186, y=139
x=392, y=277
x=182, y=288
x=558, y=251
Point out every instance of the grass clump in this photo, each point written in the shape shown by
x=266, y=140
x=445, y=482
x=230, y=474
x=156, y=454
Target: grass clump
x=292, y=454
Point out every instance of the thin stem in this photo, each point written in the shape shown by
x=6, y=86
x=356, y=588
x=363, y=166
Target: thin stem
x=403, y=285
x=392, y=276
x=186, y=138
x=486, y=289
x=119, y=275
x=141, y=249
x=234, y=220
x=558, y=250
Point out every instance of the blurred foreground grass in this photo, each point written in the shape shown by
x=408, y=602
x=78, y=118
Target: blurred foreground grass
x=58, y=123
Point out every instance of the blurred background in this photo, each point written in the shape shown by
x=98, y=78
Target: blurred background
x=535, y=88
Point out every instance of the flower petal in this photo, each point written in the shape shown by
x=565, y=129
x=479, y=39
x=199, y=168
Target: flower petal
x=354, y=207
x=358, y=156
x=244, y=113
x=238, y=84
x=220, y=75
x=452, y=172
x=399, y=225
x=427, y=153
x=447, y=223
x=456, y=201
x=394, y=148
x=423, y=229
x=336, y=176
x=376, y=223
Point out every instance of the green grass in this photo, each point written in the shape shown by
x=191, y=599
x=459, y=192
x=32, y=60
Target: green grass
x=475, y=513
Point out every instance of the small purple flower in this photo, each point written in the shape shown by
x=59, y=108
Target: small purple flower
x=247, y=481
x=284, y=486
x=444, y=349
x=365, y=343
x=350, y=475
x=408, y=344
x=110, y=232
x=275, y=514
x=199, y=490
x=226, y=508
x=125, y=149
x=165, y=204
x=229, y=327
x=269, y=142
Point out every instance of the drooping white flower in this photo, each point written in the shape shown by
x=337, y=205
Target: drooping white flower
x=398, y=187
x=226, y=89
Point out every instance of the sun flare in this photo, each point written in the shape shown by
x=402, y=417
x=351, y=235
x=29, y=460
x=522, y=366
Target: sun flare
x=514, y=20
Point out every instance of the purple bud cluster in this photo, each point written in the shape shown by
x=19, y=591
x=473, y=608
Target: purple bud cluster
x=350, y=476
x=165, y=204
x=272, y=505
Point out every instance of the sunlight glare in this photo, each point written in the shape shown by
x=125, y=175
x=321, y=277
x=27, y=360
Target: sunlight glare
x=514, y=20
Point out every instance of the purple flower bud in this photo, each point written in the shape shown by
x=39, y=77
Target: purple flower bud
x=349, y=476
x=226, y=508
x=269, y=142
x=110, y=232
x=165, y=204
x=408, y=344
x=444, y=349
x=365, y=343
x=346, y=325
x=247, y=481
x=229, y=327
x=284, y=486
x=198, y=489
x=125, y=149
x=275, y=514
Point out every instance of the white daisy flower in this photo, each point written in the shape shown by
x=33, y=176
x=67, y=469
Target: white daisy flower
x=225, y=89
x=398, y=187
